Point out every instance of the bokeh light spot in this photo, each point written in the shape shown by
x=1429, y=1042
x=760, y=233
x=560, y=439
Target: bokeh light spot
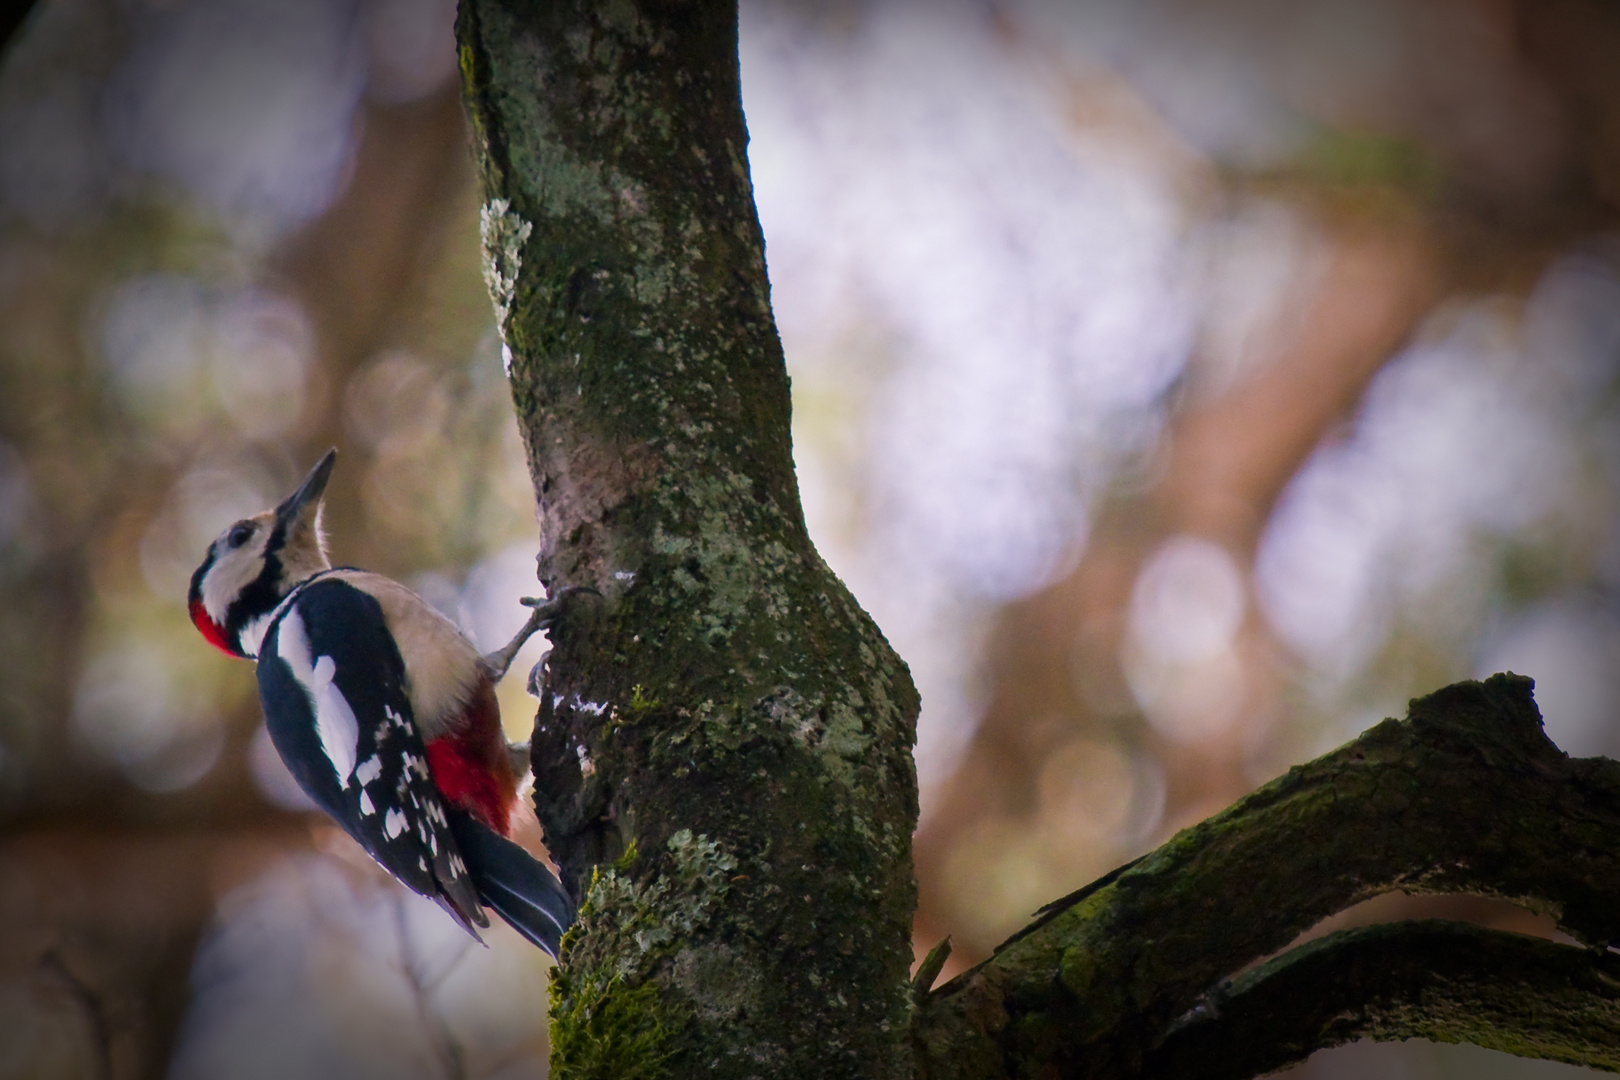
x=262, y=351
x=130, y=711
x=249, y=106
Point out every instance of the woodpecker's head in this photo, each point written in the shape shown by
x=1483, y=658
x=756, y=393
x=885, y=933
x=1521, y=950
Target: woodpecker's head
x=256, y=562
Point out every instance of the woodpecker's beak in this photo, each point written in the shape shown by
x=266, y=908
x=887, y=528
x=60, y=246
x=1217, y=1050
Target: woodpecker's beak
x=302, y=504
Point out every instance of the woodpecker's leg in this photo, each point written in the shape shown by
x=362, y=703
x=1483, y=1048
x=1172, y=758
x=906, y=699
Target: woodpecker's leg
x=497, y=662
x=544, y=614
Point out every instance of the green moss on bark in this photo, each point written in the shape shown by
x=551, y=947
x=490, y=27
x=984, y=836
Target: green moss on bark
x=604, y=1029
x=608, y=1018
x=722, y=750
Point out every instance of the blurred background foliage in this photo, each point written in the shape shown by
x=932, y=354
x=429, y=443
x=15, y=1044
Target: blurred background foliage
x=1182, y=385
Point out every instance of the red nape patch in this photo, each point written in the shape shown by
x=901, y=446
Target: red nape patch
x=470, y=783
x=210, y=629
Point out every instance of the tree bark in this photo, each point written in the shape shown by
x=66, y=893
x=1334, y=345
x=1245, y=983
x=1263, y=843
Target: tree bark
x=722, y=752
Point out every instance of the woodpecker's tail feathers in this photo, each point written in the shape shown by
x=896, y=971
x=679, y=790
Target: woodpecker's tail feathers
x=517, y=885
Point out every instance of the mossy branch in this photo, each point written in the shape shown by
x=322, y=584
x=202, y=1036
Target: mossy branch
x=1465, y=796
x=1433, y=980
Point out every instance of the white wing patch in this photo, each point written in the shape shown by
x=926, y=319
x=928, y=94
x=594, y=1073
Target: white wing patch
x=340, y=733
x=335, y=724
x=394, y=822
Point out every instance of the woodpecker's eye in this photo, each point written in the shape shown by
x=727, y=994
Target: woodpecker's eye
x=240, y=533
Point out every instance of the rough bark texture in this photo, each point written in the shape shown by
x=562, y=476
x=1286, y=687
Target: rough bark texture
x=1125, y=978
x=722, y=752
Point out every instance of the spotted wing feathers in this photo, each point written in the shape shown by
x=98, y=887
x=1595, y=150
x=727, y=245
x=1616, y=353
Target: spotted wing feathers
x=333, y=687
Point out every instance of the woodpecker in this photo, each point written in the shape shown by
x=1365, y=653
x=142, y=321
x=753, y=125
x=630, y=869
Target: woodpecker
x=383, y=711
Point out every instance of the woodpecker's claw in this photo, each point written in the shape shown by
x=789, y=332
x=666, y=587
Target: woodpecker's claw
x=543, y=615
x=553, y=607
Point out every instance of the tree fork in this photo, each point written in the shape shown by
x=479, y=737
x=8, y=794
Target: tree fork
x=722, y=752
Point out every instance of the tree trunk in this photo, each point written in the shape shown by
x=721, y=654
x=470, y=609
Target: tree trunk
x=722, y=754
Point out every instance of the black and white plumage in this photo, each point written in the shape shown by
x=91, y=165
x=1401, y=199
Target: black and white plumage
x=341, y=721
x=383, y=712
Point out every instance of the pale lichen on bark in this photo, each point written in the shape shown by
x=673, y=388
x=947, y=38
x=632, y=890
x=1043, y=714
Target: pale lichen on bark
x=630, y=923
x=503, y=234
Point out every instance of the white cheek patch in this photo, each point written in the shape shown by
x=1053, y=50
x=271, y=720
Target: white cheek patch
x=335, y=724
x=232, y=572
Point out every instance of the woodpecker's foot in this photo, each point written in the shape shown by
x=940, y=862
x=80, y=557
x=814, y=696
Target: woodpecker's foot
x=552, y=608
x=544, y=614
